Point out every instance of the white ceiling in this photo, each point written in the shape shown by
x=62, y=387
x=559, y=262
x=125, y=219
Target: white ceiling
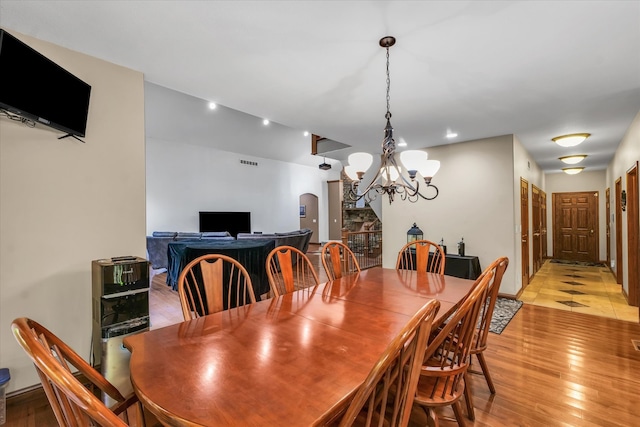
x=536, y=69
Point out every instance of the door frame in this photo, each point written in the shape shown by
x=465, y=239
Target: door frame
x=608, y=225
x=619, y=265
x=594, y=203
x=633, y=241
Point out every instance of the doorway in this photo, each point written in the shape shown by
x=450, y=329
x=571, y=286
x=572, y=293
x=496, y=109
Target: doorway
x=309, y=215
x=536, y=225
x=575, y=226
x=633, y=241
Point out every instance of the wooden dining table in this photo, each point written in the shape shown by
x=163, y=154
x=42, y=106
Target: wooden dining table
x=294, y=360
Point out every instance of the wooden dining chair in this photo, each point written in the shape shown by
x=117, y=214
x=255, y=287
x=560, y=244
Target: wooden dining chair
x=338, y=259
x=73, y=404
x=386, y=395
x=479, y=342
x=212, y=283
x=442, y=376
x=421, y=255
x=289, y=269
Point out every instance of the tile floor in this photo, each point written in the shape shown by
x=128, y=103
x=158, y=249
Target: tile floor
x=590, y=290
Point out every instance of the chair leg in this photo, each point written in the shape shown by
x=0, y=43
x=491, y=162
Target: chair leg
x=432, y=418
x=485, y=371
x=468, y=398
x=457, y=410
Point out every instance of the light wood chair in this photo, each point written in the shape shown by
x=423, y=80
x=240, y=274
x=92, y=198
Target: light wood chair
x=73, y=404
x=289, y=269
x=212, y=283
x=386, y=395
x=442, y=376
x=338, y=260
x=479, y=343
x=421, y=255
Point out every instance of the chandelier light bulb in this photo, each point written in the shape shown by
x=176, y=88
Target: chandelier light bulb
x=360, y=161
x=414, y=160
x=351, y=172
x=430, y=168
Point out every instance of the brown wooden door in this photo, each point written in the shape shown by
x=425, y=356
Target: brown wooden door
x=608, y=225
x=633, y=242
x=524, y=227
x=619, y=263
x=575, y=226
x=536, y=225
x=543, y=219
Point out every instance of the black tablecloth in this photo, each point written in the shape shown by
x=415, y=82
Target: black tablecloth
x=251, y=253
x=465, y=267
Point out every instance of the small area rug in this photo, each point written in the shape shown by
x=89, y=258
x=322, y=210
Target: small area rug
x=503, y=312
x=578, y=263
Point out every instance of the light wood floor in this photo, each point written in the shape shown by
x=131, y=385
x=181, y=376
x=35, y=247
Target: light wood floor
x=551, y=367
x=589, y=290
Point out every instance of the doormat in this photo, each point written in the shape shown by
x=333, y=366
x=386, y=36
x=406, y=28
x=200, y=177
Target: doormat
x=578, y=263
x=503, y=312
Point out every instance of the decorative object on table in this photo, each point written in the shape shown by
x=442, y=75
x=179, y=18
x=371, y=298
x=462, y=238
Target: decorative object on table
x=461, y=247
x=393, y=181
x=414, y=234
x=443, y=246
x=503, y=312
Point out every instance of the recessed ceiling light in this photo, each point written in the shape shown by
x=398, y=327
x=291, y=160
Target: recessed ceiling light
x=306, y=133
x=265, y=122
x=212, y=105
x=572, y=160
x=570, y=140
x=451, y=134
x=572, y=171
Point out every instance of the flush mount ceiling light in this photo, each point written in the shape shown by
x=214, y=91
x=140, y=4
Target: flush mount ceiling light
x=572, y=171
x=570, y=140
x=393, y=181
x=572, y=160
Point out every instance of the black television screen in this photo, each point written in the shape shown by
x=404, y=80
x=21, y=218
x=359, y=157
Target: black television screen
x=36, y=88
x=233, y=222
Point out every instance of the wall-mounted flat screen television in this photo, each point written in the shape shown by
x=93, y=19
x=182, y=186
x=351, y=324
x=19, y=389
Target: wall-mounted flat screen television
x=233, y=222
x=38, y=89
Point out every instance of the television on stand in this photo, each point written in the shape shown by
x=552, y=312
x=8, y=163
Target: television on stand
x=233, y=222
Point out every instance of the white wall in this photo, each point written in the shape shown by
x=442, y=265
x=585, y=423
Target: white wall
x=183, y=179
x=475, y=202
x=627, y=154
x=584, y=181
x=64, y=203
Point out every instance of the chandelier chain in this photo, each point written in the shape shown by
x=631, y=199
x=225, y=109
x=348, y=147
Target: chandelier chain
x=388, y=115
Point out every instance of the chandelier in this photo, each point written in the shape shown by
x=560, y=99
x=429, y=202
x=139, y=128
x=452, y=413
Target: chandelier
x=389, y=173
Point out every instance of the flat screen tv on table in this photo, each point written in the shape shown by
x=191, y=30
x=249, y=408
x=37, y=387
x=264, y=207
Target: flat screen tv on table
x=36, y=88
x=233, y=222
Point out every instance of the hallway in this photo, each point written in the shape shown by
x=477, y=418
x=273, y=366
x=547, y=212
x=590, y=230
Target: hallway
x=582, y=289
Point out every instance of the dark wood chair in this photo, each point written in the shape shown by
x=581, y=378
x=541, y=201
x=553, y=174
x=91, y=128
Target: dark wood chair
x=421, y=255
x=442, y=376
x=289, y=269
x=73, y=404
x=338, y=260
x=479, y=343
x=212, y=283
x=386, y=395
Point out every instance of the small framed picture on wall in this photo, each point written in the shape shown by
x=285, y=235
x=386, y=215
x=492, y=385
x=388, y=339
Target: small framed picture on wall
x=303, y=211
